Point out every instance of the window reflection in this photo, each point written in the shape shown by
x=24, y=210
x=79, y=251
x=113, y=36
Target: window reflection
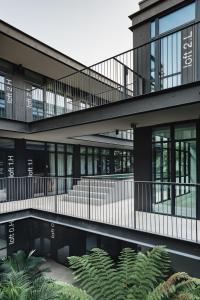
x=37, y=103
x=2, y=97
x=177, y=18
x=171, y=57
x=182, y=170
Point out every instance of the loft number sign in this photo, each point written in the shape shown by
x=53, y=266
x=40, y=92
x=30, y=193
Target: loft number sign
x=188, y=50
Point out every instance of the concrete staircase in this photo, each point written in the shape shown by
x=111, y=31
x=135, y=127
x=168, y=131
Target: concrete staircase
x=97, y=191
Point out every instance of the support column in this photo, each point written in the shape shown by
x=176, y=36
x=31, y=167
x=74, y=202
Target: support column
x=76, y=163
x=142, y=168
x=20, y=159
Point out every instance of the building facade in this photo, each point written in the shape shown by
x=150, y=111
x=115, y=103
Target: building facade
x=110, y=151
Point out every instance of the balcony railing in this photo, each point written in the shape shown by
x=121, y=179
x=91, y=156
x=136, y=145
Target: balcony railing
x=165, y=62
x=167, y=209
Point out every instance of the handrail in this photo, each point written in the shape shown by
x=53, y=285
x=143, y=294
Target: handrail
x=136, y=48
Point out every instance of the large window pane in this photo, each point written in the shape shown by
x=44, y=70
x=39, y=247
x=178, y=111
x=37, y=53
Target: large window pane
x=2, y=97
x=161, y=170
x=52, y=169
x=183, y=132
x=37, y=103
x=60, y=105
x=50, y=104
x=69, y=164
x=177, y=18
x=60, y=164
x=170, y=64
x=186, y=164
x=90, y=165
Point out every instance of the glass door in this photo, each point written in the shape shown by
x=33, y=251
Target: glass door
x=161, y=150
x=186, y=171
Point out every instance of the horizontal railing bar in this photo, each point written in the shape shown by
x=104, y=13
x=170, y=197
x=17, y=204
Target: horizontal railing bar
x=136, y=48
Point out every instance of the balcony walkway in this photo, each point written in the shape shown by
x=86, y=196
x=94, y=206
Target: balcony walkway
x=118, y=213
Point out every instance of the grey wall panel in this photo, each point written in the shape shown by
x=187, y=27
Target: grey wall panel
x=19, y=105
x=141, y=35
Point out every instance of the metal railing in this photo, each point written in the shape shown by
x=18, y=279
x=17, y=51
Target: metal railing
x=167, y=209
x=165, y=62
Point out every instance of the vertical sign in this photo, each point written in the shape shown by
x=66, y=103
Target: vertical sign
x=11, y=233
x=11, y=166
x=187, y=55
x=9, y=90
x=52, y=226
x=9, y=97
x=28, y=108
x=30, y=167
x=28, y=99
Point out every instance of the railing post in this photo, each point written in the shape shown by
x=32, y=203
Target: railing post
x=55, y=197
x=134, y=204
x=89, y=201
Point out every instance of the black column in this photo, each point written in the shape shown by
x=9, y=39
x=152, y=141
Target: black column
x=198, y=170
x=20, y=158
x=142, y=168
x=76, y=162
x=112, y=161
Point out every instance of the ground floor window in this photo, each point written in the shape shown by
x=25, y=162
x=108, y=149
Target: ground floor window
x=123, y=161
x=94, y=161
x=100, y=161
x=174, y=160
x=51, y=160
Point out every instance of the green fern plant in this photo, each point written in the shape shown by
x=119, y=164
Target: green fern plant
x=97, y=274
x=137, y=276
x=179, y=286
x=70, y=292
x=21, y=262
x=14, y=286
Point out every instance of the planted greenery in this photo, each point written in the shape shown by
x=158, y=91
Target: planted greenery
x=22, y=279
x=31, y=265
x=136, y=276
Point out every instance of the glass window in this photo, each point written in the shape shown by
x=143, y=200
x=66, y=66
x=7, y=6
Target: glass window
x=60, y=164
x=69, y=164
x=90, y=164
x=83, y=165
x=7, y=143
x=60, y=148
x=170, y=61
x=52, y=168
x=69, y=149
x=2, y=97
x=50, y=104
x=183, y=132
x=35, y=145
x=60, y=105
x=90, y=150
x=37, y=103
x=177, y=18
x=50, y=147
x=2, y=83
x=153, y=29
x=184, y=165
x=161, y=134
x=83, y=150
x=69, y=105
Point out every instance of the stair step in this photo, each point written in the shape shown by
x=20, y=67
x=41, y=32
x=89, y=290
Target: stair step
x=95, y=195
x=85, y=200
x=98, y=183
x=92, y=188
